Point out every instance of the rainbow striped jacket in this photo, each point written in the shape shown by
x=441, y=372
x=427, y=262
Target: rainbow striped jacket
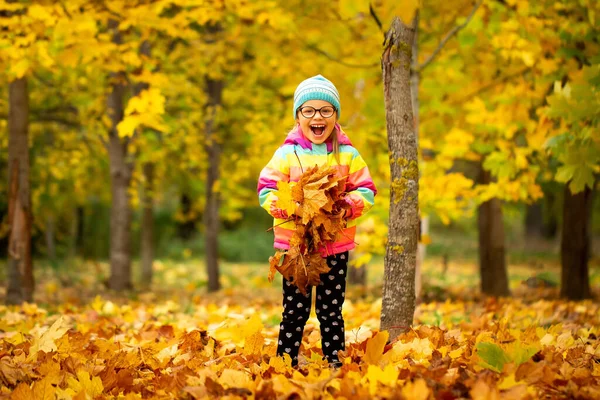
x=296, y=155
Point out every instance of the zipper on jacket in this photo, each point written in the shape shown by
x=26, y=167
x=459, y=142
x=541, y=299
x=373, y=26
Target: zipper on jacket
x=299, y=162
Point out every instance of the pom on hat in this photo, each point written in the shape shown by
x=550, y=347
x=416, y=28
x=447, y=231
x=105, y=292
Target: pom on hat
x=316, y=88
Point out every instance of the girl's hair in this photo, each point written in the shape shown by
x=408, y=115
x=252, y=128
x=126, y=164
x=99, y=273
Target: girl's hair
x=336, y=143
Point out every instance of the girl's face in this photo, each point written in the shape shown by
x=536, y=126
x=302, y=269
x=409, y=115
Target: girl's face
x=317, y=125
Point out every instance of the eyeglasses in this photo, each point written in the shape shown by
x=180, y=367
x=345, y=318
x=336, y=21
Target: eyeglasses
x=309, y=112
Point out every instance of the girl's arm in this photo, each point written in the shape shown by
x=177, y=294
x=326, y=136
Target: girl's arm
x=276, y=170
x=360, y=187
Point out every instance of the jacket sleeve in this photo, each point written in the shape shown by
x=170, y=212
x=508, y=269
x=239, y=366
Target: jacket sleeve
x=278, y=169
x=360, y=188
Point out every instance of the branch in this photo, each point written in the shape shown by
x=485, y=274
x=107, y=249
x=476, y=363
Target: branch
x=448, y=36
x=42, y=118
x=490, y=85
x=337, y=60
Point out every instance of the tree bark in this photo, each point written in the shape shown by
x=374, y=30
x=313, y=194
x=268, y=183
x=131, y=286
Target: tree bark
x=492, y=259
x=121, y=169
x=575, y=244
x=414, y=91
x=398, y=303
x=20, y=265
x=147, y=247
x=211, y=211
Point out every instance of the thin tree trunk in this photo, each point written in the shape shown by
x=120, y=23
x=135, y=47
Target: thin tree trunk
x=550, y=212
x=575, y=244
x=76, y=232
x=120, y=171
x=357, y=274
x=186, y=229
x=534, y=220
x=398, y=303
x=20, y=265
x=50, y=235
x=492, y=259
x=147, y=247
x=414, y=91
x=211, y=210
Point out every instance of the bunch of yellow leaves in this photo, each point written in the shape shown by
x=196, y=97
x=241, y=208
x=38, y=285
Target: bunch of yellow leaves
x=316, y=205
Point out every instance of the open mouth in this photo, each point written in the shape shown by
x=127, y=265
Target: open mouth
x=317, y=130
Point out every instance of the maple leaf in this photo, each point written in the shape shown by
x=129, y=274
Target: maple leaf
x=285, y=199
x=375, y=346
x=91, y=385
x=316, y=200
x=46, y=342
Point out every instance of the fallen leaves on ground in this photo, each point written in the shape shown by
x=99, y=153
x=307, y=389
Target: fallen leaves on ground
x=152, y=349
x=316, y=205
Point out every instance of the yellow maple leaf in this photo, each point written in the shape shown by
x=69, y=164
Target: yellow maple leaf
x=233, y=378
x=92, y=386
x=46, y=342
x=387, y=376
x=375, y=346
x=253, y=343
x=284, y=197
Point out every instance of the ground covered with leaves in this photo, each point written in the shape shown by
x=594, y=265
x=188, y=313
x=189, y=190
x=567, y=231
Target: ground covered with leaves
x=176, y=341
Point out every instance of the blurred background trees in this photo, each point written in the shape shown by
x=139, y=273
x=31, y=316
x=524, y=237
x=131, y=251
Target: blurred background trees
x=149, y=123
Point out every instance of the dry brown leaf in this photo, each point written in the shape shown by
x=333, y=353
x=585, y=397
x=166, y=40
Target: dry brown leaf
x=318, y=206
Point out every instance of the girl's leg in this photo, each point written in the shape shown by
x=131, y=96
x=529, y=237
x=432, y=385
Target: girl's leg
x=330, y=298
x=296, y=309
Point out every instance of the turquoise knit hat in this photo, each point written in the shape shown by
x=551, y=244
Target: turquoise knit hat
x=316, y=88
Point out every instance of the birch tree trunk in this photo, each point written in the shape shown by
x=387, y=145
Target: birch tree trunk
x=147, y=247
x=121, y=170
x=575, y=244
x=20, y=266
x=398, y=303
x=492, y=257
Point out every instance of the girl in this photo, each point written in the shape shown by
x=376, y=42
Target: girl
x=316, y=139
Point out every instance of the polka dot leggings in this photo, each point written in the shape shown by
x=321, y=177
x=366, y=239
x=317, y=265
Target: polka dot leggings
x=296, y=310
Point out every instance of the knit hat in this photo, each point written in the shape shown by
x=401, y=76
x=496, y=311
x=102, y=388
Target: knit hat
x=316, y=88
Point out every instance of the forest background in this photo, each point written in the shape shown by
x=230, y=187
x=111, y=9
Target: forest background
x=144, y=126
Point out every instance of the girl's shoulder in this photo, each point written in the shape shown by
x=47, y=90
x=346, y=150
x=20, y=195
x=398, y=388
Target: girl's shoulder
x=284, y=150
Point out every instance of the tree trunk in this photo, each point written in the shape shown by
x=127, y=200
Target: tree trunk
x=76, y=232
x=534, y=219
x=414, y=91
x=50, y=238
x=492, y=259
x=211, y=211
x=398, y=303
x=575, y=244
x=20, y=265
x=550, y=212
x=147, y=228
x=357, y=274
x=147, y=247
x=186, y=229
x=120, y=171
